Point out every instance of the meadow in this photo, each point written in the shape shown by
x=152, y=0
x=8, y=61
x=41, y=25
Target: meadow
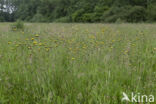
x=58, y=63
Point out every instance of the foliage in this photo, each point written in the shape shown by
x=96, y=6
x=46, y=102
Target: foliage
x=18, y=25
x=77, y=16
x=87, y=17
x=63, y=19
x=38, y=18
x=151, y=12
x=136, y=14
x=78, y=10
x=2, y=19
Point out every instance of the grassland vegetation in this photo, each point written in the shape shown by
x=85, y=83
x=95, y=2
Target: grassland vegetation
x=76, y=63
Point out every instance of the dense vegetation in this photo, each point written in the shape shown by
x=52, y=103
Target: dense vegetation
x=78, y=10
x=76, y=63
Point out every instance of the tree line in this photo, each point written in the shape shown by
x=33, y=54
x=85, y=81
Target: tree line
x=107, y=11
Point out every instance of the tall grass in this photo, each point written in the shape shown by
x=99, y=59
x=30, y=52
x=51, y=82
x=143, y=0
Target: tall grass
x=76, y=63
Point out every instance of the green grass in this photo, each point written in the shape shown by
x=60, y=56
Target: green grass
x=76, y=63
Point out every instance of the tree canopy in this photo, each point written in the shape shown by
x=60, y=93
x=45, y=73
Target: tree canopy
x=78, y=10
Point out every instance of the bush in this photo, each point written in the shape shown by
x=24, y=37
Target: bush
x=151, y=12
x=18, y=25
x=111, y=15
x=38, y=18
x=77, y=16
x=98, y=12
x=87, y=17
x=125, y=14
x=136, y=14
x=119, y=21
x=63, y=19
x=2, y=19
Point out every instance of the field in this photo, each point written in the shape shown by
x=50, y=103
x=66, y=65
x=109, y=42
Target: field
x=76, y=63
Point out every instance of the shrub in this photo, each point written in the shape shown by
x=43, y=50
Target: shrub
x=98, y=12
x=77, y=16
x=151, y=12
x=38, y=18
x=87, y=17
x=124, y=14
x=18, y=25
x=119, y=20
x=2, y=19
x=63, y=19
x=111, y=15
x=136, y=14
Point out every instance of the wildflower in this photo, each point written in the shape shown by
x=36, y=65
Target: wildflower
x=73, y=58
x=9, y=42
x=35, y=42
x=155, y=49
x=36, y=35
x=32, y=38
x=47, y=49
x=113, y=40
x=17, y=45
x=29, y=47
x=70, y=49
x=40, y=44
x=126, y=52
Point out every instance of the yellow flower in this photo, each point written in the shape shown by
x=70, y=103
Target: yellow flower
x=70, y=49
x=155, y=49
x=125, y=52
x=32, y=38
x=40, y=44
x=47, y=49
x=29, y=47
x=17, y=45
x=35, y=42
x=73, y=58
x=36, y=35
x=9, y=42
x=113, y=40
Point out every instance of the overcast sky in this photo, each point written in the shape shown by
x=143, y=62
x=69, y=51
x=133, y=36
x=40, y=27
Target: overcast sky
x=5, y=10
